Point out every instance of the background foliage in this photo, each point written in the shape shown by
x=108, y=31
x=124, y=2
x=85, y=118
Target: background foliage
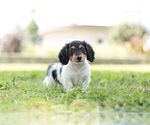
x=126, y=32
x=32, y=30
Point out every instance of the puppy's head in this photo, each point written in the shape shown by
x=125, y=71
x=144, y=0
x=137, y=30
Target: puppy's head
x=77, y=52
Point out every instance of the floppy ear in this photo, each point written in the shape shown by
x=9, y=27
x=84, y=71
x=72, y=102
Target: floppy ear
x=64, y=54
x=89, y=52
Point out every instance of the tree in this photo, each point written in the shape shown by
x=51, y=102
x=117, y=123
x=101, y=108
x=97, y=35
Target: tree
x=126, y=32
x=132, y=33
x=32, y=30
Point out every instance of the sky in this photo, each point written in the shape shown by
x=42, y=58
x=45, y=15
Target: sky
x=57, y=13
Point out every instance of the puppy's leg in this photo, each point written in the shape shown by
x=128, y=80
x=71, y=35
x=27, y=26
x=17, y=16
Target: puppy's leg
x=68, y=85
x=48, y=81
x=85, y=84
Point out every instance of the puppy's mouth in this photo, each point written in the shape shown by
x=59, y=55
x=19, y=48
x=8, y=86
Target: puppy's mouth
x=79, y=61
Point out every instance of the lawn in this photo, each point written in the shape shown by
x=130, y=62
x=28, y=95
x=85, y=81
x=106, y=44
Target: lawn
x=113, y=88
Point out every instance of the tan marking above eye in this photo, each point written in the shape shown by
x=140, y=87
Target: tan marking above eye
x=80, y=46
x=73, y=47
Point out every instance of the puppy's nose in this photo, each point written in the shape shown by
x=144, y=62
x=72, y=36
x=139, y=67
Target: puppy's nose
x=79, y=57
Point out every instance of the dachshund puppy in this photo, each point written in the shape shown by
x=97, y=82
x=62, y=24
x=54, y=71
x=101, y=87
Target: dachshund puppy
x=74, y=67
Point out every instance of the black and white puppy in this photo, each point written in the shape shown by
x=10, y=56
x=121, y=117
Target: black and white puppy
x=74, y=67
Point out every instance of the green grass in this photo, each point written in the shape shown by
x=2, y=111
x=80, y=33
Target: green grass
x=117, y=94
x=108, y=91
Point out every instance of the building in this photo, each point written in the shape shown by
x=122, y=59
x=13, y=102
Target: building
x=56, y=38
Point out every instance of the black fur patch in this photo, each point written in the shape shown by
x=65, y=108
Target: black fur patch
x=64, y=55
x=60, y=70
x=54, y=74
x=90, y=52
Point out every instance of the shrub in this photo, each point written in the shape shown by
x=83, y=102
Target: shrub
x=135, y=34
x=126, y=32
x=12, y=43
x=100, y=40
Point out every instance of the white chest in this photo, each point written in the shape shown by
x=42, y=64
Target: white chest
x=79, y=75
x=76, y=73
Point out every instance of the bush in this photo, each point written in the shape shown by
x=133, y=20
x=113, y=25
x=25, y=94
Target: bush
x=12, y=43
x=126, y=32
x=100, y=40
x=135, y=34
